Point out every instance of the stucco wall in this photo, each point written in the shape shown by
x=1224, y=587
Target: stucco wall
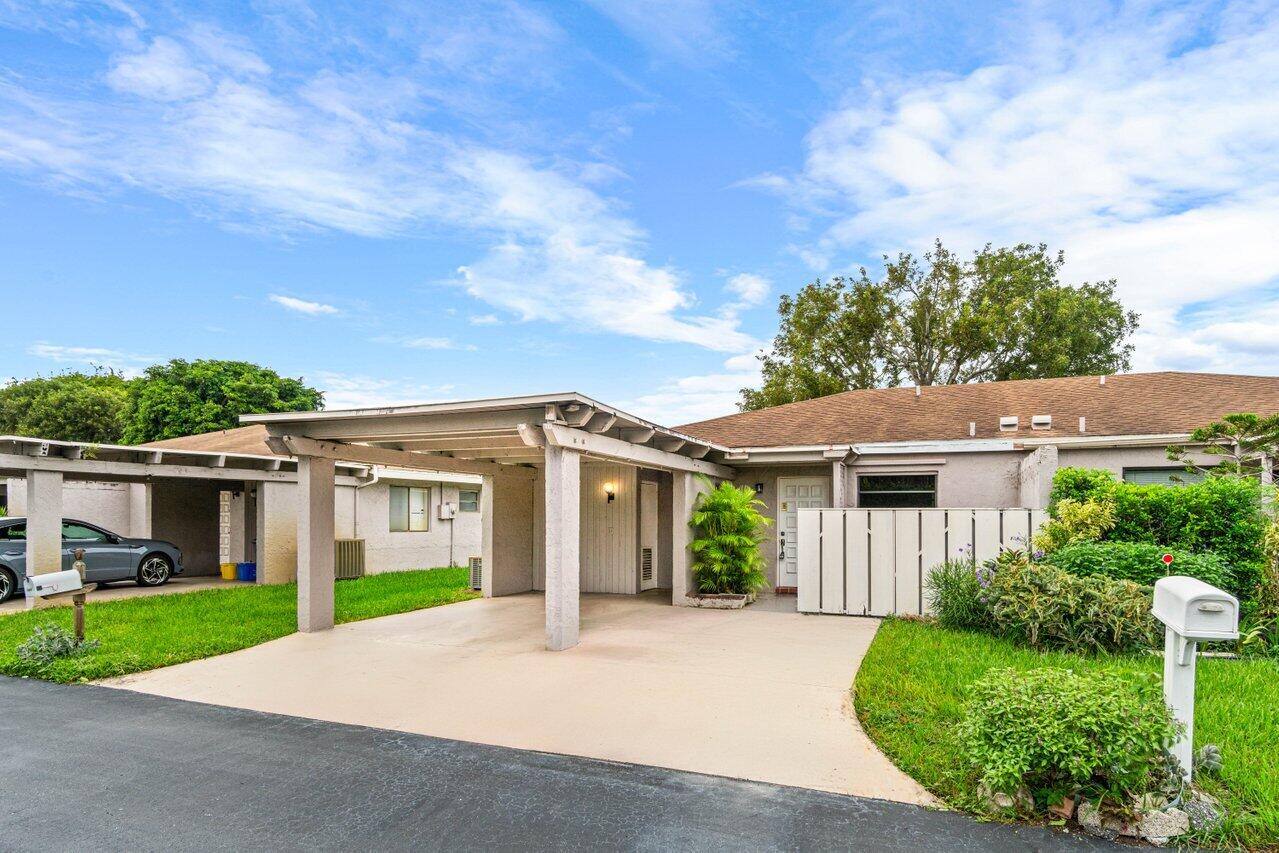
x=512, y=569
x=186, y=513
x=385, y=551
x=1118, y=458
x=104, y=504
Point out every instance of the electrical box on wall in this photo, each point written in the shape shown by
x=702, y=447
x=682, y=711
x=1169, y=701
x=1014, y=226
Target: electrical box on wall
x=448, y=509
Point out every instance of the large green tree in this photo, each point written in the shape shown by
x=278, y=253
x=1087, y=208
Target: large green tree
x=942, y=320
x=188, y=397
x=66, y=407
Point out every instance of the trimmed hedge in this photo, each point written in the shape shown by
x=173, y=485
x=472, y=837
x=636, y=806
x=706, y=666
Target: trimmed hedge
x=1222, y=514
x=1140, y=562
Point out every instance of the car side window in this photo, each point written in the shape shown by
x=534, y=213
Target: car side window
x=14, y=532
x=81, y=533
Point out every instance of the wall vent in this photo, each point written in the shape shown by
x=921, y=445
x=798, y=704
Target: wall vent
x=476, y=565
x=1008, y=424
x=1041, y=422
x=348, y=558
x=646, y=564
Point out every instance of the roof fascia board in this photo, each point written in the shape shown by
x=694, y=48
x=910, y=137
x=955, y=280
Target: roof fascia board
x=615, y=448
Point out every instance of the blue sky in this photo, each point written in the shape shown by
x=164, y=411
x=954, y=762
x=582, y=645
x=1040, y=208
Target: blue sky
x=418, y=201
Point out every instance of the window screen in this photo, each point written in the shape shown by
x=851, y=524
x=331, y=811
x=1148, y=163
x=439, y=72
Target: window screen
x=468, y=500
x=410, y=509
x=897, y=491
x=1165, y=476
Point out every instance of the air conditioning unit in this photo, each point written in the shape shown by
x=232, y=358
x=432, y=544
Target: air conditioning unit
x=476, y=564
x=348, y=558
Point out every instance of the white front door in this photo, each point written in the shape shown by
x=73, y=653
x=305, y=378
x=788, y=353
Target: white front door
x=648, y=535
x=794, y=494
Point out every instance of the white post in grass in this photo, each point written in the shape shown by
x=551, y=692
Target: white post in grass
x=1192, y=611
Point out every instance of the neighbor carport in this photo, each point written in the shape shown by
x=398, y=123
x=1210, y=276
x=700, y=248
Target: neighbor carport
x=172, y=494
x=547, y=524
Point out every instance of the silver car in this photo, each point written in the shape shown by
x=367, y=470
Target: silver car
x=107, y=556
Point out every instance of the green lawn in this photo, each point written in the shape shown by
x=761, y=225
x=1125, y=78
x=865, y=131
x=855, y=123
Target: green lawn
x=910, y=692
x=145, y=633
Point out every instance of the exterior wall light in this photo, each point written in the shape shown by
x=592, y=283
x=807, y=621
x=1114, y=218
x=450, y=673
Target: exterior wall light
x=610, y=489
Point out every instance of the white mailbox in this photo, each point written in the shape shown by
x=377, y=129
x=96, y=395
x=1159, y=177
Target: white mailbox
x=1196, y=610
x=1192, y=611
x=53, y=583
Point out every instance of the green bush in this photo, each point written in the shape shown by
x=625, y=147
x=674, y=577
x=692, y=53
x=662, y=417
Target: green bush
x=726, y=548
x=1221, y=514
x=1076, y=521
x=1060, y=732
x=1140, y=562
x=1079, y=484
x=49, y=642
x=956, y=595
x=1045, y=607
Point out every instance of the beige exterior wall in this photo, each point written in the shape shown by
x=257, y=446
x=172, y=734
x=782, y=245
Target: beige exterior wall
x=608, y=542
x=104, y=504
x=1116, y=459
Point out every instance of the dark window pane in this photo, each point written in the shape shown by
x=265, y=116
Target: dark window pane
x=81, y=533
x=14, y=531
x=897, y=500
x=1162, y=476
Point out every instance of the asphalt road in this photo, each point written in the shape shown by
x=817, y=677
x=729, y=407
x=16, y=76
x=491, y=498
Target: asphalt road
x=92, y=768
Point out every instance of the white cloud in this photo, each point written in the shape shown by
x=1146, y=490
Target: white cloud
x=700, y=397
x=688, y=31
x=208, y=123
x=1145, y=144
x=163, y=72
x=409, y=342
x=749, y=288
x=485, y=320
x=354, y=391
x=302, y=306
x=127, y=363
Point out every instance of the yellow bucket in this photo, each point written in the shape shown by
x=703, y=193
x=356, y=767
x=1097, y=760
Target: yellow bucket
x=228, y=571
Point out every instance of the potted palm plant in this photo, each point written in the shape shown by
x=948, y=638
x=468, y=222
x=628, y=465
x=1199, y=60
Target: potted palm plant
x=728, y=567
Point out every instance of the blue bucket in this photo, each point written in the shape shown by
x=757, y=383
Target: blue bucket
x=246, y=572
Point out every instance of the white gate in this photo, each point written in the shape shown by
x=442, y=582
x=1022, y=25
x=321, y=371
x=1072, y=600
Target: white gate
x=872, y=562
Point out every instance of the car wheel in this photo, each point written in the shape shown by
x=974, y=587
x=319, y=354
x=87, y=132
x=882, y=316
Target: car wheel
x=154, y=570
x=8, y=585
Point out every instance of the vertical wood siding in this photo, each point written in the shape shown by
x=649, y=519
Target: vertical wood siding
x=610, y=544
x=875, y=562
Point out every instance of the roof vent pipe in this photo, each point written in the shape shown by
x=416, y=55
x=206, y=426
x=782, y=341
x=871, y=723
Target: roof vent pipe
x=1083, y=424
x=972, y=429
x=1102, y=379
x=918, y=390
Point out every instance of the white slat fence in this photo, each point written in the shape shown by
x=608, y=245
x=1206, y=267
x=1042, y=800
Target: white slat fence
x=873, y=562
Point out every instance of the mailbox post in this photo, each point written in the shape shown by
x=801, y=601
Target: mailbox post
x=1192, y=611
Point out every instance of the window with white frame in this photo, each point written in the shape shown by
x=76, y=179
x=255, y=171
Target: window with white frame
x=468, y=500
x=896, y=491
x=410, y=509
x=1163, y=475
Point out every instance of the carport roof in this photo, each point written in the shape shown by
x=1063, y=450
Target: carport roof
x=476, y=436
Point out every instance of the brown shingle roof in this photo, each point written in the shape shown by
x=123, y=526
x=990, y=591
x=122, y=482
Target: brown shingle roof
x=245, y=439
x=1127, y=404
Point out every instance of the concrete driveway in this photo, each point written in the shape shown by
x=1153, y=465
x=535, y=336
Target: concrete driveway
x=751, y=694
x=128, y=589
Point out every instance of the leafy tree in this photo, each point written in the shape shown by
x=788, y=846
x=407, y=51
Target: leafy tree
x=188, y=397
x=1245, y=443
x=939, y=320
x=66, y=407
x=730, y=530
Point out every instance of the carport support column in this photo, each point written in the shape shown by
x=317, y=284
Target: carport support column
x=44, y=524
x=315, y=543
x=140, y=510
x=563, y=532
x=683, y=494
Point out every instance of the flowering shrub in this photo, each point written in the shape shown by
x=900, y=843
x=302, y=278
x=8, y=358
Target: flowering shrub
x=956, y=594
x=1075, y=521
